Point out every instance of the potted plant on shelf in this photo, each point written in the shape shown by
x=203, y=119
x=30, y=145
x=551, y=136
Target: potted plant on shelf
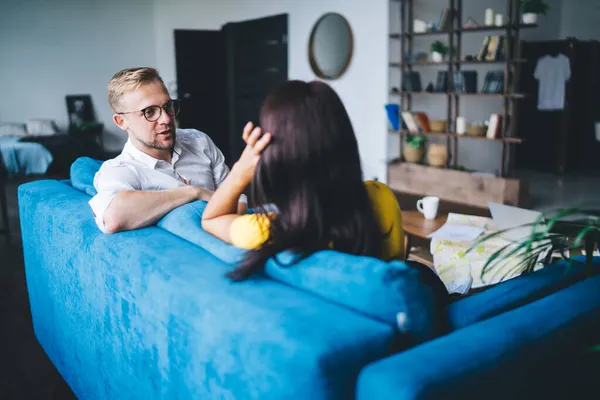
x=415, y=148
x=531, y=9
x=438, y=51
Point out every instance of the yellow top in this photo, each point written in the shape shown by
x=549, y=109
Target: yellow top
x=250, y=231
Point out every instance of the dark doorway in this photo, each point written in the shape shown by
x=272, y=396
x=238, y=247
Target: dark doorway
x=223, y=76
x=562, y=140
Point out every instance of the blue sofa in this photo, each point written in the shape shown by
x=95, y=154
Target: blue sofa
x=149, y=314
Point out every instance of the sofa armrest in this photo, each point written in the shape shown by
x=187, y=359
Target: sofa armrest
x=518, y=291
x=519, y=354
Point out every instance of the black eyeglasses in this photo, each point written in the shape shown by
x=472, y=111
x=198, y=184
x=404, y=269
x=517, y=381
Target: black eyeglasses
x=153, y=113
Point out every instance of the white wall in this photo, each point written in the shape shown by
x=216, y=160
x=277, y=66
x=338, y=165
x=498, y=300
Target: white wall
x=472, y=154
x=49, y=49
x=580, y=19
x=363, y=87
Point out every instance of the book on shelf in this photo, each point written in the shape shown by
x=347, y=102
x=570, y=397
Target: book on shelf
x=441, y=83
x=411, y=81
x=444, y=21
x=492, y=49
x=416, y=122
x=484, y=47
x=469, y=81
x=493, y=82
x=494, y=126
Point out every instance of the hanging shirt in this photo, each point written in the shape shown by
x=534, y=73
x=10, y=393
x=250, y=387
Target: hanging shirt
x=552, y=73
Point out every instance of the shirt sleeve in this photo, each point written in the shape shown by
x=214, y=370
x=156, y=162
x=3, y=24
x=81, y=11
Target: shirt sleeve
x=250, y=231
x=220, y=170
x=217, y=162
x=109, y=182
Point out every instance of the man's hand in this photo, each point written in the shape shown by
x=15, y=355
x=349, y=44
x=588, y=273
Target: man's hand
x=202, y=194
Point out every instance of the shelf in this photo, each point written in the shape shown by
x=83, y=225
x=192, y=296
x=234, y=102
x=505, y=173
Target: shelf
x=500, y=95
x=420, y=93
x=515, y=61
x=428, y=33
x=491, y=95
x=445, y=63
x=485, y=28
x=454, y=134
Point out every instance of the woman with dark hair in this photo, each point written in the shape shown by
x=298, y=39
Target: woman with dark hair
x=307, y=165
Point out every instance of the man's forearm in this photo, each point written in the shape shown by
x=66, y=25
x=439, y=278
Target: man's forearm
x=138, y=209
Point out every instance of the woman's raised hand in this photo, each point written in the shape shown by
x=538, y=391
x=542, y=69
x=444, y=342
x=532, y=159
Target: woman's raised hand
x=256, y=143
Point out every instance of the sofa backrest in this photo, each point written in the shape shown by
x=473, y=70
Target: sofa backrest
x=146, y=314
x=391, y=292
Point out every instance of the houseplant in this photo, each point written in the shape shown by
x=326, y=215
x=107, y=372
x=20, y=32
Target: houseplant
x=531, y=9
x=438, y=51
x=563, y=233
x=415, y=148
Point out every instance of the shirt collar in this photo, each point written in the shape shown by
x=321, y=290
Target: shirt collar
x=147, y=159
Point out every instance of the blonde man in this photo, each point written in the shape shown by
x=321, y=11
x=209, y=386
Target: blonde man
x=161, y=167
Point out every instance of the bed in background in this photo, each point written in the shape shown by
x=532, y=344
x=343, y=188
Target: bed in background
x=39, y=149
x=24, y=158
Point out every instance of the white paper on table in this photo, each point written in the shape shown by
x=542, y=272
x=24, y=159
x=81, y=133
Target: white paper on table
x=450, y=231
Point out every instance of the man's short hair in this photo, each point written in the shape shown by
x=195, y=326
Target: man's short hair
x=128, y=80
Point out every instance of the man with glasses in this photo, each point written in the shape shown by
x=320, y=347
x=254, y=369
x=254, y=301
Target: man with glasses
x=161, y=167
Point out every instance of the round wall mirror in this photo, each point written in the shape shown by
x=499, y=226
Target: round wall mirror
x=330, y=46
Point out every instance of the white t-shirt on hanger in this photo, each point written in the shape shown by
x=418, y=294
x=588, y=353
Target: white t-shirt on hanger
x=552, y=73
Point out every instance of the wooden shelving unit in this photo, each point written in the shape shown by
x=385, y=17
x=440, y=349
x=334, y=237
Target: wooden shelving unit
x=511, y=66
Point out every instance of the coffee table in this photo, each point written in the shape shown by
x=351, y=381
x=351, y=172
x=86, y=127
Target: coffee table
x=416, y=226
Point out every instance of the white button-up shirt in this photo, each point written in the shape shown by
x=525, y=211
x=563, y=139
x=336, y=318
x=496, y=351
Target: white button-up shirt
x=196, y=161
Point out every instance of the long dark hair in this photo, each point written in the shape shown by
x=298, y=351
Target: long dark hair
x=311, y=172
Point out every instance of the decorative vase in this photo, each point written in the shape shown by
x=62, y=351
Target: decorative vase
x=437, y=155
x=413, y=154
x=437, y=57
x=529, y=18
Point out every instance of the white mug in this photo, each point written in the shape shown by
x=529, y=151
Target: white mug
x=428, y=206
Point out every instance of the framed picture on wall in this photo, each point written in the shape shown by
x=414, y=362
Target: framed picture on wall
x=79, y=109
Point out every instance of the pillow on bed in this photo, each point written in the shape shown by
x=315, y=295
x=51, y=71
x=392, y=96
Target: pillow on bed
x=41, y=127
x=12, y=129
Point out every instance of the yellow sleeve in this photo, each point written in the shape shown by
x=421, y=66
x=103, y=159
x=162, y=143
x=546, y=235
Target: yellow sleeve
x=389, y=218
x=250, y=231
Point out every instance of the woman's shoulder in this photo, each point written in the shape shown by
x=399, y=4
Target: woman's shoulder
x=250, y=231
x=381, y=195
x=376, y=187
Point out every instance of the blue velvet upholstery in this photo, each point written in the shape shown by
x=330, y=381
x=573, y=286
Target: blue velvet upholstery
x=149, y=314
x=186, y=222
x=530, y=352
x=372, y=287
x=517, y=292
x=83, y=171
x=145, y=314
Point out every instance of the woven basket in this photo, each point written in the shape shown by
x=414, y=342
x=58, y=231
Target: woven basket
x=476, y=130
x=437, y=155
x=438, y=125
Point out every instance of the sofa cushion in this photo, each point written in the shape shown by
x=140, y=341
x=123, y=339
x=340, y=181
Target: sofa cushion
x=83, y=171
x=391, y=292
